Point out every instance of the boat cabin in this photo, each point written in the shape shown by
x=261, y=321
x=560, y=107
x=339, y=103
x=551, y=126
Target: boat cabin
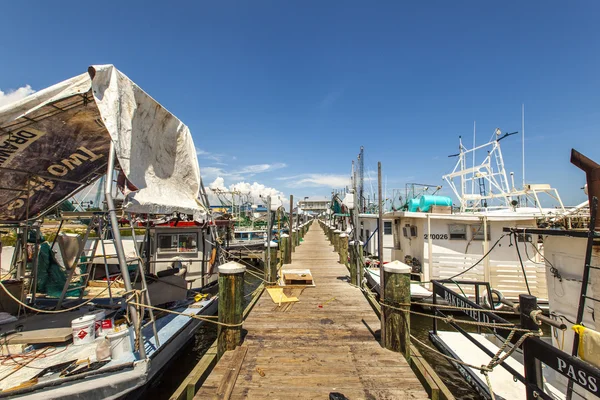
x=185, y=247
x=367, y=233
x=443, y=245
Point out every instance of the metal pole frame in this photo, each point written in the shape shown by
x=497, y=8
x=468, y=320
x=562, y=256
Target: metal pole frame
x=114, y=225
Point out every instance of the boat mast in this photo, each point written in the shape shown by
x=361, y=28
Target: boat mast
x=523, y=145
x=473, y=180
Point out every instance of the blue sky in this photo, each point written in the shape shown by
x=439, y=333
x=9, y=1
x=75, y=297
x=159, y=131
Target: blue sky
x=285, y=92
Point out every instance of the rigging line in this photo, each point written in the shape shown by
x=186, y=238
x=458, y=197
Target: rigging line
x=527, y=253
x=553, y=269
x=54, y=311
x=521, y=262
x=477, y=263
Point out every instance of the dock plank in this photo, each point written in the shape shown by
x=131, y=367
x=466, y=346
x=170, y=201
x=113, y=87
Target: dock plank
x=327, y=342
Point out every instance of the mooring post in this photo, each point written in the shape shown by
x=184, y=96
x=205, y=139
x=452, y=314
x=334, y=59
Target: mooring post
x=285, y=249
x=397, y=305
x=298, y=237
x=271, y=274
x=533, y=366
x=356, y=272
x=294, y=239
x=336, y=239
x=344, y=249
x=231, y=290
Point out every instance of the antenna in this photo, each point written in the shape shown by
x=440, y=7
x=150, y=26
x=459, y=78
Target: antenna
x=523, y=139
x=473, y=181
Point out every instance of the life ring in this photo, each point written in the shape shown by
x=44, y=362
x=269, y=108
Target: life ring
x=176, y=262
x=486, y=302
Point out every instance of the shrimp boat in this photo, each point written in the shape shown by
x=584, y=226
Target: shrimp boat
x=76, y=321
x=444, y=238
x=570, y=356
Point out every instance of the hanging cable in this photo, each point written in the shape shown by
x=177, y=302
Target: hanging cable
x=521, y=262
x=480, y=260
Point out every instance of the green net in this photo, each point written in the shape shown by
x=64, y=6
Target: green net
x=51, y=276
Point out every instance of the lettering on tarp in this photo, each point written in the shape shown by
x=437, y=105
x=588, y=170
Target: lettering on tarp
x=73, y=161
x=17, y=142
x=36, y=184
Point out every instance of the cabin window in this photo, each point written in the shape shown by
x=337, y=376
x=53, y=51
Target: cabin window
x=409, y=230
x=413, y=231
x=178, y=243
x=457, y=231
x=477, y=232
x=387, y=227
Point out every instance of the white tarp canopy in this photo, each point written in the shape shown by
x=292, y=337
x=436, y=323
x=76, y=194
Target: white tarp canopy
x=57, y=140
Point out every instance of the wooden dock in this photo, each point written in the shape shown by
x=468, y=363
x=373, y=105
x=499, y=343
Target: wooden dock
x=328, y=342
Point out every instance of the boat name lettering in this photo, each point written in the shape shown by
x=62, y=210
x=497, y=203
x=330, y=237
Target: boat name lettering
x=16, y=142
x=474, y=314
x=437, y=236
x=578, y=375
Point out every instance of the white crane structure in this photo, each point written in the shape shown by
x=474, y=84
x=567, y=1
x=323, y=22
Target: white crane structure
x=490, y=187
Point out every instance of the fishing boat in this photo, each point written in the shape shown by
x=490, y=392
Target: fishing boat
x=441, y=240
x=62, y=335
x=572, y=363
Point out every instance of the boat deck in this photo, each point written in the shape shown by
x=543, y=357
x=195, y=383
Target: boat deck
x=18, y=372
x=327, y=342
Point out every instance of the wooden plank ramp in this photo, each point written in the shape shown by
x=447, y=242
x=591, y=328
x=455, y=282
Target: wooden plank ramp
x=328, y=342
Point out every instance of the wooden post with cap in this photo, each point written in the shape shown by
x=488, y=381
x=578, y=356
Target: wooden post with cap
x=271, y=253
x=343, y=246
x=356, y=267
x=231, y=290
x=285, y=249
x=396, y=335
x=336, y=240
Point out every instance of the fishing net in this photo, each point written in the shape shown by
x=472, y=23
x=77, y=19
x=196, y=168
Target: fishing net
x=51, y=276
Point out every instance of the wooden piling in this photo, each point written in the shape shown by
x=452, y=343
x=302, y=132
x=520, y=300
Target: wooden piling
x=336, y=240
x=231, y=289
x=294, y=237
x=356, y=267
x=397, y=294
x=344, y=249
x=285, y=248
x=271, y=271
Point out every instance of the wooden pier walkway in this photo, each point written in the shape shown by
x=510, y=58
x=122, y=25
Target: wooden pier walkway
x=325, y=343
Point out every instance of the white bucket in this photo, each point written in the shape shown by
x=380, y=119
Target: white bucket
x=83, y=330
x=120, y=344
x=99, y=316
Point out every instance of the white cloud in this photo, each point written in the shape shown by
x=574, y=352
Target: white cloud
x=258, y=168
x=314, y=180
x=240, y=173
x=15, y=95
x=206, y=155
x=255, y=192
